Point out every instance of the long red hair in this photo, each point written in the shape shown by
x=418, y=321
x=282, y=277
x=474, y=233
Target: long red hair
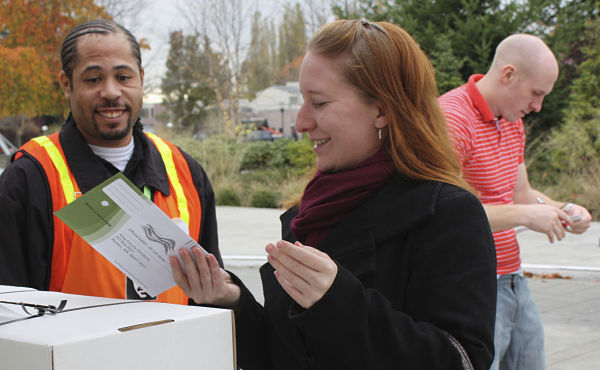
x=386, y=65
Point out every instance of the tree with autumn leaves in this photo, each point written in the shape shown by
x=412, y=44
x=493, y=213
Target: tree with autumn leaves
x=31, y=34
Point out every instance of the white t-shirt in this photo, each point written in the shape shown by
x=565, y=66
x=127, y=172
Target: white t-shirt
x=118, y=157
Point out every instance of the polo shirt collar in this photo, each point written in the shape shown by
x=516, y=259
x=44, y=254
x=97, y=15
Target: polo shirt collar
x=145, y=168
x=478, y=100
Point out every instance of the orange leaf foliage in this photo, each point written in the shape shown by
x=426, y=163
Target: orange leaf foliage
x=554, y=275
x=290, y=71
x=31, y=33
x=27, y=83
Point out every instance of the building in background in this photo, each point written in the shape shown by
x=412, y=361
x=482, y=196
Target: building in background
x=153, y=112
x=278, y=104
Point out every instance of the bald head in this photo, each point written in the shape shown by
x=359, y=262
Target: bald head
x=527, y=53
x=523, y=72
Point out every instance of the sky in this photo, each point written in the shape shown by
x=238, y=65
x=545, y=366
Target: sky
x=160, y=17
x=154, y=23
x=157, y=20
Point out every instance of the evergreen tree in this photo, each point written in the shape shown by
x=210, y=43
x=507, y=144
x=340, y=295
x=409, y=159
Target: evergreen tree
x=258, y=68
x=187, y=90
x=273, y=43
x=446, y=64
x=475, y=27
x=565, y=24
x=292, y=37
x=471, y=28
x=573, y=148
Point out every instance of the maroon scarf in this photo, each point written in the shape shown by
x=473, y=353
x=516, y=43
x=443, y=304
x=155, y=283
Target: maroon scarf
x=330, y=197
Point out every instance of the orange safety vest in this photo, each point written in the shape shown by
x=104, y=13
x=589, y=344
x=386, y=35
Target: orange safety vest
x=78, y=268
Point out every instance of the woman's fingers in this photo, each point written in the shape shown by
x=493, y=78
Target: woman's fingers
x=314, y=266
x=218, y=276
x=310, y=257
x=178, y=275
x=203, y=280
x=292, y=291
x=291, y=271
x=305, y=273
x=196, y=278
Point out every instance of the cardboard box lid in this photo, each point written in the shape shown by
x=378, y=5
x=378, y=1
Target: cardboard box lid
x=86, y=317
x=10, y=288
x=104, y=333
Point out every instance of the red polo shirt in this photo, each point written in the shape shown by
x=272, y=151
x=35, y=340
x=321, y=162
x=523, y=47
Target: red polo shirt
x=490, y=151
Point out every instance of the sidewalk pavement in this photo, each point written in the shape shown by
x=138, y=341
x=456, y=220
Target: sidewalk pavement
x=565, y=279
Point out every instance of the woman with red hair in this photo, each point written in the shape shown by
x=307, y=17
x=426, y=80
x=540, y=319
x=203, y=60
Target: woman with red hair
x=387, y=261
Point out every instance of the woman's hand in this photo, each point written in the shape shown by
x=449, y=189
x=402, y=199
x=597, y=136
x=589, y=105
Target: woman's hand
x=202, y=280
x=304, y=272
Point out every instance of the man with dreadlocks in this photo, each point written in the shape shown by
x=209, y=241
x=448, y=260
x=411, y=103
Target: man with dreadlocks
x=102, y=79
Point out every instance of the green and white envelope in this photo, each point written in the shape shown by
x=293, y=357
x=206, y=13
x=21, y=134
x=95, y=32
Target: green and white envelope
x=130, y=231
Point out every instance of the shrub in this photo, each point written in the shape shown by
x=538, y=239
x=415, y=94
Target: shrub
x=227, y=196
x=256, y=155
x=220, y=156
x=301, y=153
x=257, y=174
x=292, y=189
x=281, y=153
x=566, y=164
x=263, y=198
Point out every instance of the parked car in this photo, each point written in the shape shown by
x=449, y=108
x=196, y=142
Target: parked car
x=6, y=150
x=266, y=135
x=260, y=135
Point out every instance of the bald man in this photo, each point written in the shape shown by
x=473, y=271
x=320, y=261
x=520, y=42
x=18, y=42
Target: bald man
x=484, y=122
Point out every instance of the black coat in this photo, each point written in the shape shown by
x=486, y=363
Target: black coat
x=415, y=262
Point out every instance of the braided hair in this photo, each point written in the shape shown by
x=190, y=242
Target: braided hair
x=68, y=52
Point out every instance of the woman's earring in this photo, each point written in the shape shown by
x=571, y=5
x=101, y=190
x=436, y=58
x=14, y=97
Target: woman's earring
x=380, y=133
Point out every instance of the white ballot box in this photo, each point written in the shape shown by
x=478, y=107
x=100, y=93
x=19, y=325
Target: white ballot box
x=101, y=333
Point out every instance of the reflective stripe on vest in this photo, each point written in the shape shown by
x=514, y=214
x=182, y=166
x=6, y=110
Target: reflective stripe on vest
x=167, y=156
x=165, y=153
x=61, y=166
x=73, y=260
